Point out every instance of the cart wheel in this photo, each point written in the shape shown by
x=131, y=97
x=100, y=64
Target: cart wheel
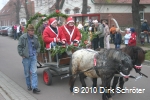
x=47, y=77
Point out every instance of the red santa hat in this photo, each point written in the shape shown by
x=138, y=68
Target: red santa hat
x=70, y=19
x=51, y=21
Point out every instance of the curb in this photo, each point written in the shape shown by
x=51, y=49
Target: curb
x=12, y=91
x=146, y=62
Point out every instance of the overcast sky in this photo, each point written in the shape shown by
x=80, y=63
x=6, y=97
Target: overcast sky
x=2, y=3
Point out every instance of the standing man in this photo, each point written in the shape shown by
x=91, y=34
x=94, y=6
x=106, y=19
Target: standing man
x=146, y=29
x=28, y=47
x=99, y=31
x=71, y=32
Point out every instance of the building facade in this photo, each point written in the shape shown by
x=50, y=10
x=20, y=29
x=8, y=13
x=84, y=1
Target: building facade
x=113, y=11
x=8, y=12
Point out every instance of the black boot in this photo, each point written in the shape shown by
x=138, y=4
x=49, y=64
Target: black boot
x=36, y=90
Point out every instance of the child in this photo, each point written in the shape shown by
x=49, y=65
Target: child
x=127, y=36
x=132, y=40
x=118, y=39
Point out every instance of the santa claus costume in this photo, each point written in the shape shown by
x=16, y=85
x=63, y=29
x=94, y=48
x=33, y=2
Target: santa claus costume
x=71, y=32
x=132, y=40
x=52, y=35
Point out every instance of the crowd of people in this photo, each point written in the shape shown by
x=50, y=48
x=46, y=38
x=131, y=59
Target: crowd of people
x=17, y=30
x=69, y=34
x=106, y=35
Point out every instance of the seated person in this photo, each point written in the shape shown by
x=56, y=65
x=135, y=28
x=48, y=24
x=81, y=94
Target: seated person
x=52, y=34
x=71, y=32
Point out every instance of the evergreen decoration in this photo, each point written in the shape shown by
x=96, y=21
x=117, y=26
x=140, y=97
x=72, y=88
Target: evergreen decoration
x=39, y=15
x=57, y=49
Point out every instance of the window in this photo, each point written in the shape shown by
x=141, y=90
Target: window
x=141, y=11
x=141, y=14
x=67, y=11
x=76, y=10
x=88, y=9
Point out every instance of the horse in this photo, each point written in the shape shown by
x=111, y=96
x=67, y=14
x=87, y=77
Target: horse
x=95, y=64
x=137, y=55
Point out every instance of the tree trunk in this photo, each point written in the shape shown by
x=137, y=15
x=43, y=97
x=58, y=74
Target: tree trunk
x=57, y=4
x=18, y=6
x=136, y=18
x=26, y=10
x=84, y=7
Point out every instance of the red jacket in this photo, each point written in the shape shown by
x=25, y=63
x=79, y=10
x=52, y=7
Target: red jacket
x=132, y=40
x=49, y=36
x=73, y=36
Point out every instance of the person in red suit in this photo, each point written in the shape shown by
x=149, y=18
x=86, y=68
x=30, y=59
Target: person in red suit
x=71, y=32
x=52, y=34
x=132, y=40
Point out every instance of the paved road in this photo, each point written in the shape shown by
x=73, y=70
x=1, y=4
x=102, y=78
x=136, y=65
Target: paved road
x=11, y=66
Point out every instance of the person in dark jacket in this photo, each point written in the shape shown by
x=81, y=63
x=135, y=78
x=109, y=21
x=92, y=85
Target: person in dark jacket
x=28, y=47
x=146, y=29
x=118, y=39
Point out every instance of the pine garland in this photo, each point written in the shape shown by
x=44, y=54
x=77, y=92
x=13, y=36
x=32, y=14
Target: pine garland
x=57, y=49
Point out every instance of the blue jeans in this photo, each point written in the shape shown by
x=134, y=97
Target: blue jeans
x=15, y=35
x=53, y=44
x=30, y=71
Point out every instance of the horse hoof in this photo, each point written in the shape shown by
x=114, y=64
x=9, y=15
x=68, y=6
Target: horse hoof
x=110, y=99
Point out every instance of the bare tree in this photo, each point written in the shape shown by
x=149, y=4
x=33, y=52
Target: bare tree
x=26, y=10
x=84, y=7
x=136, y=17
x=17, y=7
x=57, y=4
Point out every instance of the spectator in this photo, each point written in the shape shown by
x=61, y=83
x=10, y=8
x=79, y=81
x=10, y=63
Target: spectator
x=132, y=40
x=127, y=36
x=100, y=33
x=118, y=39
x=146, y=29
x=80, y=26
x=28, y=47
x=112, y=33
x=86, y=27
x=107, y=34
x=18, y=31
x=15, y=31
x=96, y=38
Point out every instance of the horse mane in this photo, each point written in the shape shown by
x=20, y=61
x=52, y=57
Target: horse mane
x=114, y=54
x=135, y=52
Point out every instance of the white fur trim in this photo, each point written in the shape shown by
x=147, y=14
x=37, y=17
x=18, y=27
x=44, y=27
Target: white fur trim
x=53, y=22
x=53, y=31
x=54, y=39
x=70, y=21
x=69, y=32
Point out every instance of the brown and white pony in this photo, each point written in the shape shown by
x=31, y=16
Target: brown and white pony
x=103, y=64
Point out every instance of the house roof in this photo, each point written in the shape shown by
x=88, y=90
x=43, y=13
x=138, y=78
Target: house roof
x=118, y=1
